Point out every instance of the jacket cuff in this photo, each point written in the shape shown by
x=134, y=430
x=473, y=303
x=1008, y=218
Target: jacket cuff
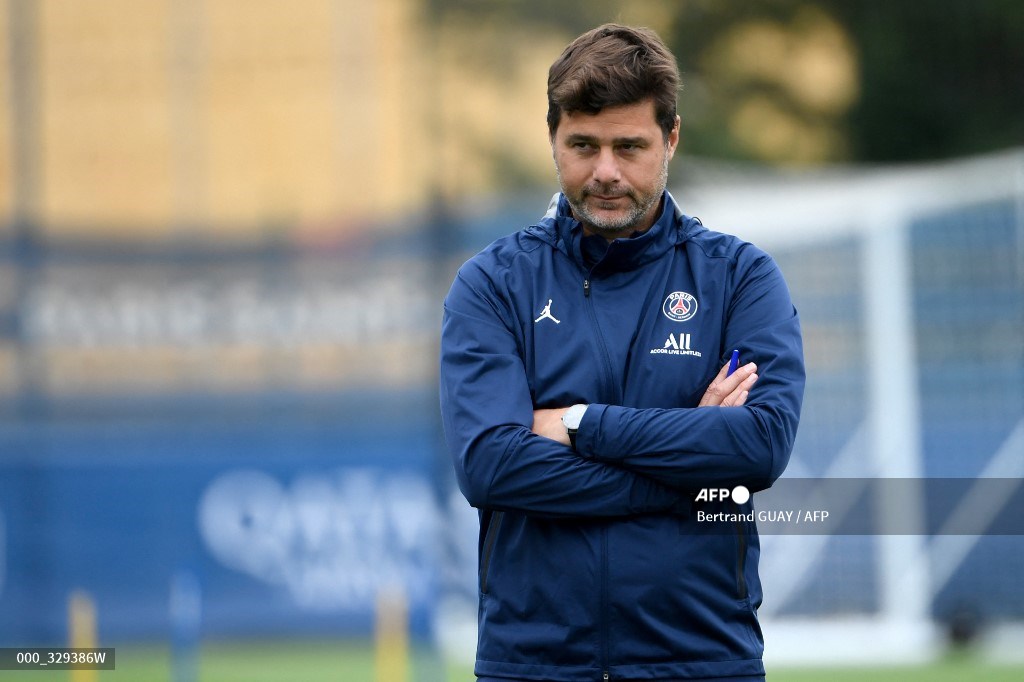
x=587, y=438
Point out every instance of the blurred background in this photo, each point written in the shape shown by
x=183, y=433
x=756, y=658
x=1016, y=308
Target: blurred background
x=226, y=228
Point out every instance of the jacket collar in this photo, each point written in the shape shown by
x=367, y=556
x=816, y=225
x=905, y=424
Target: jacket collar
x=670, y=228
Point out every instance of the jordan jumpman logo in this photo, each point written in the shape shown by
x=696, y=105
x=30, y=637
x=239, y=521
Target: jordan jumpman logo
x=547, y=313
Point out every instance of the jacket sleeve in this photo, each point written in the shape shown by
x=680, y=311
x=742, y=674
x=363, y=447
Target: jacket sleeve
x=691, y=448
x=487, y=410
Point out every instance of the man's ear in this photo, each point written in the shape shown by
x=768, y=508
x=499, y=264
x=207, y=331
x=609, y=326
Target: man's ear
x=673, y=137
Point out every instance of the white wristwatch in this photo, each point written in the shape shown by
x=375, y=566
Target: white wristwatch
x=571, y=419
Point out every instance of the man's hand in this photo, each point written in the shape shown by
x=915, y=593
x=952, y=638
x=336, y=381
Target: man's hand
x=730, y=391
x=548, y=423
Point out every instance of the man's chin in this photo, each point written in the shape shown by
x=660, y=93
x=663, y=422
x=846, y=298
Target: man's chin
x=612, y=221
x=611, y=230
x=605, y=215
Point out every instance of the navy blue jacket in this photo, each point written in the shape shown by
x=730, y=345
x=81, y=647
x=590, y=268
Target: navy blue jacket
x=592, y=563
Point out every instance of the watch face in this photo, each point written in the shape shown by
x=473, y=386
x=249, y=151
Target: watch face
x=573, y=416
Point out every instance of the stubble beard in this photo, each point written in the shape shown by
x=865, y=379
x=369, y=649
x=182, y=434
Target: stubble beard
x=612, y=227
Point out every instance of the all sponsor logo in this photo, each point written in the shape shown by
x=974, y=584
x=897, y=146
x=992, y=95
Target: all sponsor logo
x=676, y=344
x=679, y=306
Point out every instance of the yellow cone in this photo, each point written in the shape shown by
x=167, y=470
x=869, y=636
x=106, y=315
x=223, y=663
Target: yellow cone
x=392, y=637
x=82, y=630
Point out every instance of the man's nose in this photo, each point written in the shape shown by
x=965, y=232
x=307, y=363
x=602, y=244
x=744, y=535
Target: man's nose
x=606, y=167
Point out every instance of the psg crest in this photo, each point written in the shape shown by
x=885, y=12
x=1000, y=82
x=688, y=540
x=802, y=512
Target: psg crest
x=679, y=306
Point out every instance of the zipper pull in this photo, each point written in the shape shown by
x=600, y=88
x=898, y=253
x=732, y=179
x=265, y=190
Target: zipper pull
x=605, y=677
x=586, y=288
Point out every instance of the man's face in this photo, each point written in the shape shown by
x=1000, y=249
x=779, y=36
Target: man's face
x=613, y=167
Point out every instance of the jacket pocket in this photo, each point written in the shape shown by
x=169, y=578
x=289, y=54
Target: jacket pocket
x=488, y=548
x=741, y=559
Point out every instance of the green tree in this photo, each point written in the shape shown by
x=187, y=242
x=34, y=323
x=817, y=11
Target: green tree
x=933, y=79
x=818, y=81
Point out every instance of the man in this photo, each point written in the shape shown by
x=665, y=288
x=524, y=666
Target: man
x=585, y=400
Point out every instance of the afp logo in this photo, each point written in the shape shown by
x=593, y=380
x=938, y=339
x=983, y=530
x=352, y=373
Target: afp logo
x=679, y=306
x=740, y=495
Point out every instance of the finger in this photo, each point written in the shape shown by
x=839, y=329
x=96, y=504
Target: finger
x=731, y=383
x=736, y=400
x=724, y=387
x=739, y=395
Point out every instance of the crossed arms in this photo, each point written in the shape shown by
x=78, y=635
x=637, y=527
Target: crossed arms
x=724, y=391
x=510, y=456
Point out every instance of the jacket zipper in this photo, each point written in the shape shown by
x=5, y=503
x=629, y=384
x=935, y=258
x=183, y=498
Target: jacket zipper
x=614, y=391
x=604, y=530
x=492, y=536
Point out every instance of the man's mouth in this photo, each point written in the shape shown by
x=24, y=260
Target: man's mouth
x=613, y=197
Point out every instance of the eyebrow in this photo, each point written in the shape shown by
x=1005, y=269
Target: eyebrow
x=579, y=137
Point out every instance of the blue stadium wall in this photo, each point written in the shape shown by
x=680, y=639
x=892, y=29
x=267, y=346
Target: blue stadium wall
x=287, y=524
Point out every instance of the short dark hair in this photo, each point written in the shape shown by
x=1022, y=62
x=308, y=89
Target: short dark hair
x=613, y=65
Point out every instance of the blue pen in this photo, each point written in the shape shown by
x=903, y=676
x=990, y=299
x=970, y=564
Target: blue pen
x=734, y=362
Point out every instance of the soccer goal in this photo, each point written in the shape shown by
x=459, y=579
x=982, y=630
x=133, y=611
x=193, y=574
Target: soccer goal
x=909, y=284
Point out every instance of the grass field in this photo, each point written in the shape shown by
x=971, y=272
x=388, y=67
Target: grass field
x=313, y=661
